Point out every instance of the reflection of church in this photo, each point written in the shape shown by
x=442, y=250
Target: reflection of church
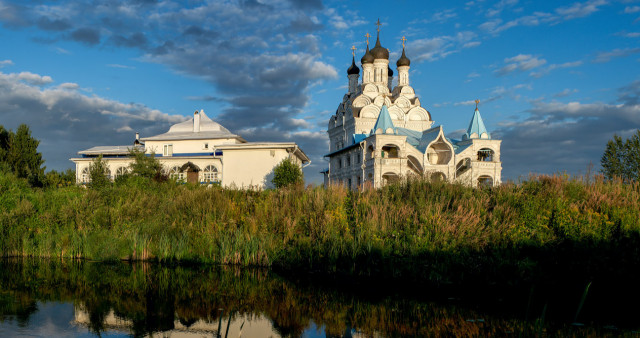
x=380, y=133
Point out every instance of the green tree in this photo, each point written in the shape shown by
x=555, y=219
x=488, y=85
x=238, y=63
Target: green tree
x=56, y=179
x=145, y=166
x=23, y=156
x=622, y=159
x=99, y=173
x=286, y=173
x=5, y=137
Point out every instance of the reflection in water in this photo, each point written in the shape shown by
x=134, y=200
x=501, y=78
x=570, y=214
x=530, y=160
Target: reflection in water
x=145, y=299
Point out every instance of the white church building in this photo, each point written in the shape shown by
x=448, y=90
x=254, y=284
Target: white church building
x=380, y=133
x=202, y=151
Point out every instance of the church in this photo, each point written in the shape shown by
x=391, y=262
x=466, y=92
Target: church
x=381, y=133
x=199, y=151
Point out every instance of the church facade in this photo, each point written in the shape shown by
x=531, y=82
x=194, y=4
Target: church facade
x=199, y=151
x=381, y=133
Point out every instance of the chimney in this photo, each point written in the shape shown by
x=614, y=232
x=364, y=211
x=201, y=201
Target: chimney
x=196, y=122
x=137, y=141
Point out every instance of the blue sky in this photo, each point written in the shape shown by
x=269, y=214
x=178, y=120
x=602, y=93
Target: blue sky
x=556, y=79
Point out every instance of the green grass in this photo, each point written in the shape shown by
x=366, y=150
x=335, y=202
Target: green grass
x=434, y=231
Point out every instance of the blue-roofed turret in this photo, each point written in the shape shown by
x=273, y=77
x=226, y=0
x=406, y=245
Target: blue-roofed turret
x=476, y=127
x=384, y=122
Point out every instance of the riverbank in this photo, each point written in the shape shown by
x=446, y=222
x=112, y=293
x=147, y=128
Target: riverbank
x=541, y=230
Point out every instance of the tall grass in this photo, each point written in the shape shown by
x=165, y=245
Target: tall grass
x=425, y=230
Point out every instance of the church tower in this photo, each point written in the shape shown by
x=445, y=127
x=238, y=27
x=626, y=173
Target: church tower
x=381, y=133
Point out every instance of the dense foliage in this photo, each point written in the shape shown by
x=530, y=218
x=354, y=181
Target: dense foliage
x=432, y=231
x=286, y=173
x=622, y=159
x=19, y=154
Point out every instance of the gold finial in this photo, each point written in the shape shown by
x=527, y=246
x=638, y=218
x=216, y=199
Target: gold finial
x=477, y=102
x=353, y=51
x=403, y=40
x=367, y=36
x=378, y=24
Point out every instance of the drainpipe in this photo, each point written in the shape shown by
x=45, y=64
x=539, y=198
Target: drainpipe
x=363, y=165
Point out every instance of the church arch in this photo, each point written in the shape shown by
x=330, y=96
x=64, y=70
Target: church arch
x=486, y=155
x=439, y=152
x=361, y=101
x=396, y=113
x=390, y=151
x=177, y=173
x=438, y=176
x=403, y=103
x=390, y=177
x=485, y=181
x=371, y=111
x=462, y=166
x=380, y=100
x=415, y=165
x=370, y=90
x=418, y=114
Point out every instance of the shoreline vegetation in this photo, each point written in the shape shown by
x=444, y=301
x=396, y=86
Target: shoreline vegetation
x=544, y=230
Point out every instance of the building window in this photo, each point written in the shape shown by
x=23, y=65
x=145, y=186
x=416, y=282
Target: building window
x=210, y=174
x=167, y=150
x=84, y=176
x=206, y=146
x=349, y=162
x=121, y=171
x=349, y=184
x=358, y=158
x=339, y=162
x=177, y=174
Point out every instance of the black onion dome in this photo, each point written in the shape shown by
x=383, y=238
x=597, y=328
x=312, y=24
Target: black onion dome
x=378, y=51
x=367, y=58
x=403, y=60
x=389, y=71
x=353, y=69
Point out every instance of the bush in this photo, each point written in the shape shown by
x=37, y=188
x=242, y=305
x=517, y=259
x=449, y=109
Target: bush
x=286, y=173
x=99, y=173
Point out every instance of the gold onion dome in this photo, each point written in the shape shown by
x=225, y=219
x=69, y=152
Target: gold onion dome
x=353, y=69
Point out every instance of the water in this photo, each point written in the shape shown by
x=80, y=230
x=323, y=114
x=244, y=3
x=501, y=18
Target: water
x=85, y=299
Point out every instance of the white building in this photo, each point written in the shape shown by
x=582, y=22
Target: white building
x=200, y=151
x=381, y=133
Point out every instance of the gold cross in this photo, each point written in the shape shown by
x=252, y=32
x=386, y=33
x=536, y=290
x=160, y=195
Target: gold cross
x=403, y=40
x=477, y=101
x=367, y=36
x=353, y=51
x=378, y=24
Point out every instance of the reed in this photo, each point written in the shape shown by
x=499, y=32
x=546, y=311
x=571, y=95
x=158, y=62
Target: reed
x=424, y=230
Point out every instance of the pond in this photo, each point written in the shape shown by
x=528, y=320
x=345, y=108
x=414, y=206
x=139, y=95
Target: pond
x=78, y=298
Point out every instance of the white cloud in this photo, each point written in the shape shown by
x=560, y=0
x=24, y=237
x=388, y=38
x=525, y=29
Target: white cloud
x=554, y=66
x=4, y=63
x=520, y=62
x=580, y=9
x=31, y=78
x=630, y=9
x=115, y=65
x=618, y=52
x=68, y=85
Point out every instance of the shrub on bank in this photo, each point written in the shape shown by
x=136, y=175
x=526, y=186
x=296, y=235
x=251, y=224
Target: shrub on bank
x=417, y=229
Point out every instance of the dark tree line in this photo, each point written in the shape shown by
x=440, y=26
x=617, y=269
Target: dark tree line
x=621, y=159
x=19, y=155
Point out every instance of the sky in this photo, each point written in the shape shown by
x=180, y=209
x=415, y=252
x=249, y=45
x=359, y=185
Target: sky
x=555, y=79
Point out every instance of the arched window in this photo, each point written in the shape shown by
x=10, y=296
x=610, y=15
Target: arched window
x=390, y=151
x=121, y=171
x=210, y=174
x=485, y=155
x=107, y=173
x=439, y=152
x=176, y=173
x=485, y=181
x=84, y=175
